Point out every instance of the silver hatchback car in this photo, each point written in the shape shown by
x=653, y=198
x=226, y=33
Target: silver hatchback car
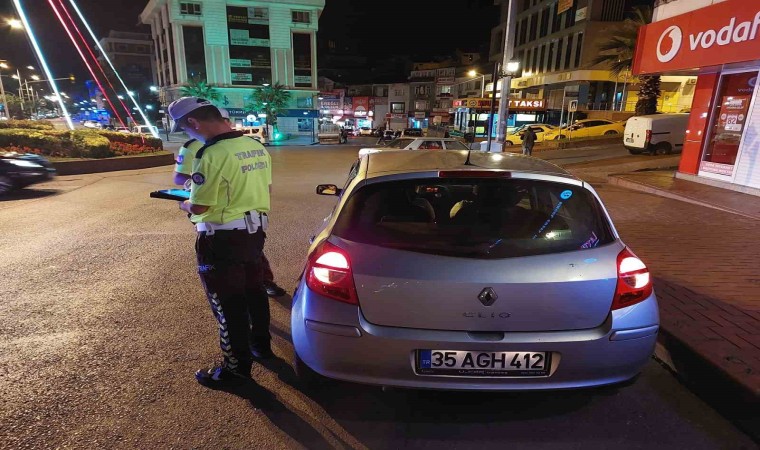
x=467, y=270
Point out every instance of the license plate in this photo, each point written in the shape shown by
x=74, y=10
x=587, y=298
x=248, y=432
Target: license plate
x=483, y=364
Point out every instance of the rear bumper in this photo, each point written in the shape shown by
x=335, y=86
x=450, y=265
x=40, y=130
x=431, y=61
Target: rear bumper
x=360, y=352
x=647, y=148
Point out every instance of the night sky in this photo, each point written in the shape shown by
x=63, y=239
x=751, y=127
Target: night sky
x=427, y=28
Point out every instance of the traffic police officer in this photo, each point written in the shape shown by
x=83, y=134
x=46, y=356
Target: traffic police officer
x=229, y=198
x=182, y=171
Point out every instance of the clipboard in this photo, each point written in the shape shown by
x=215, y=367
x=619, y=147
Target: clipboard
x=171, y=194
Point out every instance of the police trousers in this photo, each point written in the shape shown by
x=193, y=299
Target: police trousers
x=232, y=273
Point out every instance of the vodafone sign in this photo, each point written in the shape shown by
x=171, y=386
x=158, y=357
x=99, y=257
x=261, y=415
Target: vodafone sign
x=723, y=33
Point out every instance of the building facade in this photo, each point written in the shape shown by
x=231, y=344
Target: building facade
x=719, y=42
x=236, y=46
x=556, y=44
x=132, y=55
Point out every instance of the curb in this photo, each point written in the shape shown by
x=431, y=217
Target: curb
x=619, y=180
x=81, y=167
x=730, y=398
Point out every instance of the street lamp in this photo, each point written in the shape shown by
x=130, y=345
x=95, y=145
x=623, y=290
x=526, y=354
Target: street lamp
x=474, y=74
x=30, y=67
x=15, y=24
x=154, y=89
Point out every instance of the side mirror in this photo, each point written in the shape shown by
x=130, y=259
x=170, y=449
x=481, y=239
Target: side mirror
x=328, y=189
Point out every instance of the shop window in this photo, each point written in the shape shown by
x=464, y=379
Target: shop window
x=301, y=16
x=730, y=119
x=305, y=125
x=190, y=9
x=398, y=108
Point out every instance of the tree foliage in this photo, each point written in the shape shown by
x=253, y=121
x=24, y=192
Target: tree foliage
x=269, y=99
x=617, y=51
x=201, y=89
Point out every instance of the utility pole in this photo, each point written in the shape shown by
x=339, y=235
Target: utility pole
x=506, y=83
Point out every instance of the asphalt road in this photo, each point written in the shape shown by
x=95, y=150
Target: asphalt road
x=103, y=323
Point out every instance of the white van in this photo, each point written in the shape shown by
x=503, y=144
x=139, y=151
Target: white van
x=144, y=129
x=658, y=134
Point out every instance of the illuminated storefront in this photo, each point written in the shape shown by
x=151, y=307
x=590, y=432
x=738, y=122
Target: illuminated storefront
x=721, y=44
x=472, y=114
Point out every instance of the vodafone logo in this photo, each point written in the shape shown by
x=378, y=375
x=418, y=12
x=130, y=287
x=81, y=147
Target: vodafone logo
x=669, y=44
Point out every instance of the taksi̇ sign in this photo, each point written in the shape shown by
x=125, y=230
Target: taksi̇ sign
x=723, y=33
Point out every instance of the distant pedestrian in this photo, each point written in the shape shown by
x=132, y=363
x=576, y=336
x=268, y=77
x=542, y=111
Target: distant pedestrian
x=529, y=140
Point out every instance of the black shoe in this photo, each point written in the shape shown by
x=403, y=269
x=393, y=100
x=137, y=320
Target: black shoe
x=266, y=353
x=221, y=377
x=273, y=290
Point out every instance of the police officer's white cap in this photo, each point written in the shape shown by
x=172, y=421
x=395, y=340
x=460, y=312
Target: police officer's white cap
x=184, y=106
x=225, y=114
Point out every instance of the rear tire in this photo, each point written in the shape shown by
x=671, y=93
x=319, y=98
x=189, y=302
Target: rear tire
x=6, y=185
x=308, y=378
x=610, y=133
x=663, y=148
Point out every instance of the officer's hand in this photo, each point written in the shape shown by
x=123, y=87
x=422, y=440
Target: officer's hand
x=185, y=206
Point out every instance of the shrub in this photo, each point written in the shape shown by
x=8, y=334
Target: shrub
x=134, y=139
x=123, y=149
x=48, y=144
x=89, y=144
x=26, y=124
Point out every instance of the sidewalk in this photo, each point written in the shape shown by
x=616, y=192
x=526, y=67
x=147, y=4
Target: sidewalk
x=703, y=253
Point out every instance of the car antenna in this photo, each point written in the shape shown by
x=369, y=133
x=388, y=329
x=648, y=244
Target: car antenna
x=467, y=161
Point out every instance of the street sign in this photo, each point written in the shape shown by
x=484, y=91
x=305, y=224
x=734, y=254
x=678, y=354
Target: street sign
x=573, y=106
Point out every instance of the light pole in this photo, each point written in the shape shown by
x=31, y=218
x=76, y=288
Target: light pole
x=506, y=83
x=482, y=77
x=3, y=65
x=511, y=69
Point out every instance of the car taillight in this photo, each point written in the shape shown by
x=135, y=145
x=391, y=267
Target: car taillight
x=634, y=284
x=329, y=274
x=649, y=136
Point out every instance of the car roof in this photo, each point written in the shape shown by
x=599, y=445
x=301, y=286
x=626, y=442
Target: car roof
x=411, y=161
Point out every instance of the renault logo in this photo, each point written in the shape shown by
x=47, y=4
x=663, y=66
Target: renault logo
x=487, y=297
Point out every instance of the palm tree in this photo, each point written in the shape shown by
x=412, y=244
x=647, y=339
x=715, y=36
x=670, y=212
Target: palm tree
x=201, y=89
x=270, y=99
x=617, y=53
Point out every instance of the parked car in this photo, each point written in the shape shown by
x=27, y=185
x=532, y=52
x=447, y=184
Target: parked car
x=91, y=124
x=587, y=128
x=541, y=130
x=122, y=130
x=412, y=132
x=20, y=170
x=660, y=134
x=256, y=133
x=470, y=271
x=409, y=143
x=365, y=131
x=387, y=136
x=330, y=133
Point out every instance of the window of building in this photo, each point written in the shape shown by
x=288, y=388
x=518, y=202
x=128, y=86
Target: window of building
x=534, y=27
x=498, y=43
x=398, y=108
x=544, y=22
x=420, y=105
x=249, y=47
x=171, y=61
x=541, y=60
x=260, y=13
x=551, y=56
x=301, y=16
x=444, y=90
x=534, y=64
x=525, y=5
x=381, y=91
x=195, y=54
x=570, y=15
x=302, y=59
x=556, y=19
x=558, y=57
x=190, y=9
x=523, y=32
x=568, y=51
x=305, y=124
x=578, y=49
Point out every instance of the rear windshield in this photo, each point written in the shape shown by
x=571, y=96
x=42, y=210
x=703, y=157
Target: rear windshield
x=475, y=218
